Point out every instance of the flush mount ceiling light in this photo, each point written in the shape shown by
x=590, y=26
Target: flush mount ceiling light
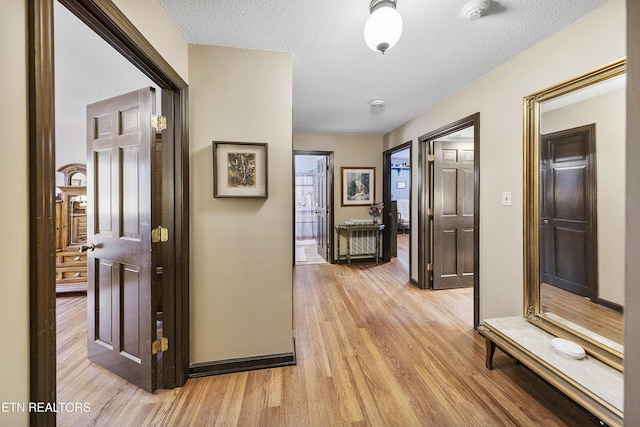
x=475, y=9
x=384, y=26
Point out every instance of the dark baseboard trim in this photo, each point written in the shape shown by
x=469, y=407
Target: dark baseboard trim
x=611, y=305
x=415, y=283
x=206, y=369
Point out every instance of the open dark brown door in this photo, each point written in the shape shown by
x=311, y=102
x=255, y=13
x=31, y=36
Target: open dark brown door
x=120, y=292
x=322, y=208
x=568, y=236
x=453, y=215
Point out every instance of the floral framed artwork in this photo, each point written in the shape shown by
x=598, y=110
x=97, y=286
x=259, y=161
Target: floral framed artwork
x=358, y=186
x=240, y=169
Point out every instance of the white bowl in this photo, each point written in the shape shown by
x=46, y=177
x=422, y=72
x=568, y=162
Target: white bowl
x=568, y=348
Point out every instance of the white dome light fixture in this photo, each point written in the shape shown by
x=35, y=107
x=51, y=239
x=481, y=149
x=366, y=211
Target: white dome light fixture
x=384, y=26
x=475, y=9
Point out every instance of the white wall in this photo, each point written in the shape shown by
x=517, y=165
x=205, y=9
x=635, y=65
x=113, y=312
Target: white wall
x=14, y=245
x=152, y=20
x=589, y=43
x=632, y=267
x=241, y=249
x=349, y=150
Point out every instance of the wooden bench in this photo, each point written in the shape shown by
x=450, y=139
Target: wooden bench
x=594, y=385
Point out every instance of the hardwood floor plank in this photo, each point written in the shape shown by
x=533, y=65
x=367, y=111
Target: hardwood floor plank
x=372, y=350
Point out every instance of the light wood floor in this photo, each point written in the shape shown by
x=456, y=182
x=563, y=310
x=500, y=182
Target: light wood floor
x=372, y=351
x=601, y=320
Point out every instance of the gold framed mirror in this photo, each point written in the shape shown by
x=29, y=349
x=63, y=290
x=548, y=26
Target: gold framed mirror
x=574, y=136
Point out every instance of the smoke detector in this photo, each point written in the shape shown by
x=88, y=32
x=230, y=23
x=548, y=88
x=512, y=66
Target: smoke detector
x=475, y=9
x=377, y=104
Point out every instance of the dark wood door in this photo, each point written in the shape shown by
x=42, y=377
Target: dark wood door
x=453, y=214
x=120, y=292
x=322, y=208
x=568, y=237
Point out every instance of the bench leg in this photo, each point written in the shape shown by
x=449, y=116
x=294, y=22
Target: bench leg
x=491, y=349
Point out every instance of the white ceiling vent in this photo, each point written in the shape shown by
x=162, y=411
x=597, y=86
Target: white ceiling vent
x=475, y=9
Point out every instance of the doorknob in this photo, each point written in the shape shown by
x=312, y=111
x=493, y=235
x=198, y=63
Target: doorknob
x=545, y=221
x=85, y=248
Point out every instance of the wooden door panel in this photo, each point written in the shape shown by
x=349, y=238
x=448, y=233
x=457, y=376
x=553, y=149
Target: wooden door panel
x=131, y=283
x=569, y=149
x=104, y=302
x=467, y=193
x=569, y=193
x=571, y=269
x=449, y=258
x=467, y=251
x=130, y=212
x=453, y=195
x=102, y=163
x=449, y=192
x=121, y=295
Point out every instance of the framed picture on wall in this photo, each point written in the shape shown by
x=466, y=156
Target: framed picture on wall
x=358, y=186
x=239, y=169
x=401, y=184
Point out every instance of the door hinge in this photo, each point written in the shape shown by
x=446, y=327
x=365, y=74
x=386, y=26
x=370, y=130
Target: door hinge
x=429, y=267
x=430, y=211
x=159, y=234
x=159, y=123
x=431, y=157
x=160, y=345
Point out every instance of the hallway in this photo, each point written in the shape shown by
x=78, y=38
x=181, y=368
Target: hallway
x=372, y=350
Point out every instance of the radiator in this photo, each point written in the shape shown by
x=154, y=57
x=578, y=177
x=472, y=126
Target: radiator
x=363, y=242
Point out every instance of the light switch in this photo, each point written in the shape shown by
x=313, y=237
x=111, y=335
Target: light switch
x=506, y=198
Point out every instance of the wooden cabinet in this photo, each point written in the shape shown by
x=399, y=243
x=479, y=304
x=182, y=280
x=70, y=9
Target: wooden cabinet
x=71, y=234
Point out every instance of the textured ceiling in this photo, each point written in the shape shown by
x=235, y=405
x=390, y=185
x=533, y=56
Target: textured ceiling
x=335, y=75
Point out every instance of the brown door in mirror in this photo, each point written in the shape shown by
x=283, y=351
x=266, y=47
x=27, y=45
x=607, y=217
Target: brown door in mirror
x=453, y=214
x=568, y=248
x=321, y=207
x=120, y=292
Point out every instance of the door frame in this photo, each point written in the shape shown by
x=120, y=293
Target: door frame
x=386, y=198
x=424, y=250
x=330, y=223
x=112, y=25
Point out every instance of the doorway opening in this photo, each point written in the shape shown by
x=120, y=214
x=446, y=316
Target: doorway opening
x=104, y=74
x=313, y=213
x=449, y=208
x=396, y=193
x=109, y=22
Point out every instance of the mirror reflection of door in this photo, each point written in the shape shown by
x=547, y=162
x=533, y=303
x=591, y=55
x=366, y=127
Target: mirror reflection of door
x=595, y=303
x=453, y=214
x=568, y=235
